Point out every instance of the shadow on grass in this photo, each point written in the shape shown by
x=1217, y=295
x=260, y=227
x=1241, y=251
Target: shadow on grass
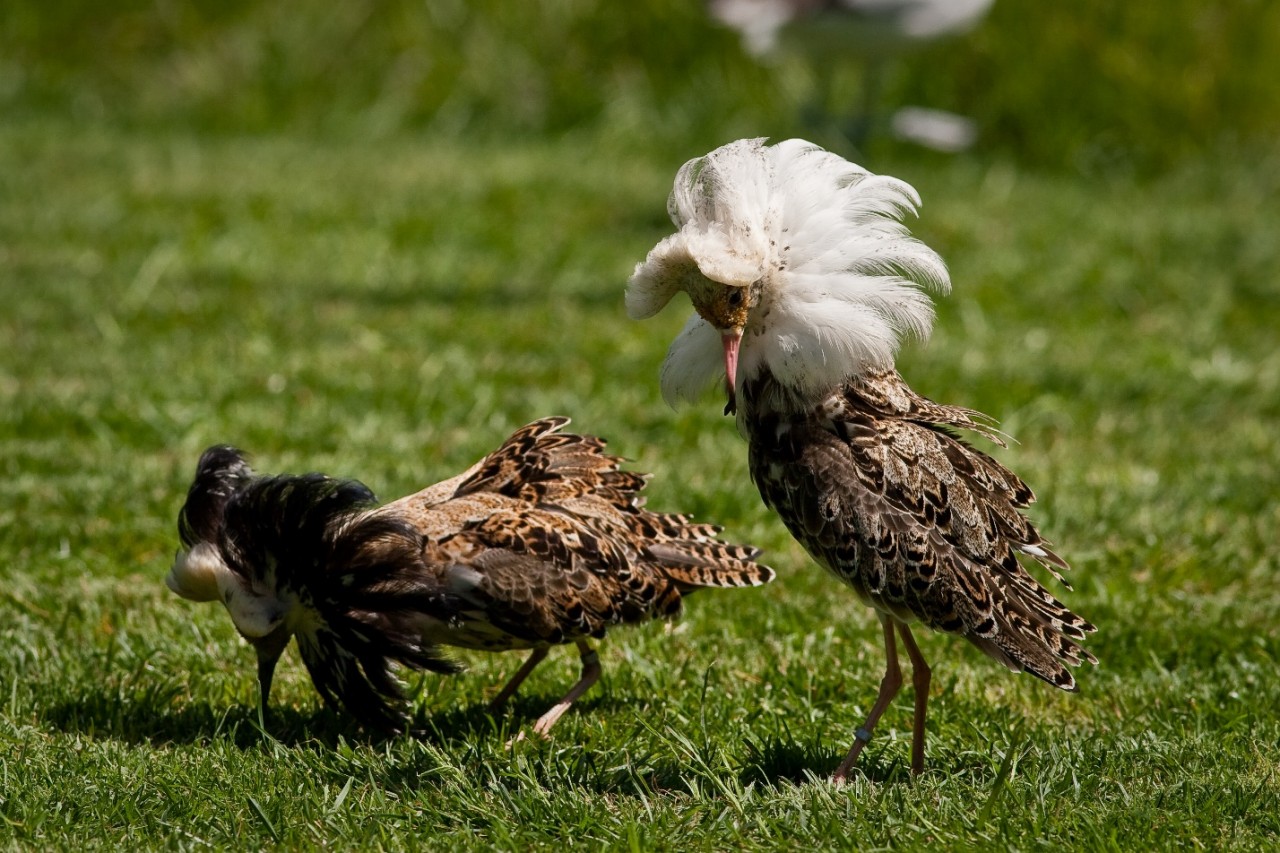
x=633, y=766
x=100, y=712
x=461, y=726
x=780, y=759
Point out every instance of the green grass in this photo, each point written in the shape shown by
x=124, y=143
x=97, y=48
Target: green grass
x=1092, y=85
x=374, y=239
x=391, y=309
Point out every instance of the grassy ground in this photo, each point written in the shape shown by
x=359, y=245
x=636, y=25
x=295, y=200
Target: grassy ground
x=373, y=239
x=390, y=310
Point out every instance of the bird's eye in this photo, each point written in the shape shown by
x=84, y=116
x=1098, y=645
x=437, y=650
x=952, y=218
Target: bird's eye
x=735, y=297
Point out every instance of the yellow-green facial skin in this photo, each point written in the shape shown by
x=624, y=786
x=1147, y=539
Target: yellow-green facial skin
x=724, y=306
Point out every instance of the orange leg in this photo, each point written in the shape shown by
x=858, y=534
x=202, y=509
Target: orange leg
x=516, y=680
x=590, y=675
x=889, y=687
x=920, y=675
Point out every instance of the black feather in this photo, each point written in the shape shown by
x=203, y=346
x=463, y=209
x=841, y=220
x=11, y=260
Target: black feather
x=311, y=537
x=221, y=472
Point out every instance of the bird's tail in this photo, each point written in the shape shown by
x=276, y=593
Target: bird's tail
x=572, y=472
x=1038, y=651
x=693, y=556
x=1036, y=633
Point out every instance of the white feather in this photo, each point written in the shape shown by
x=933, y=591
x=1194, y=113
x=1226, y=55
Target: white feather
x=843, y=280
x=198, y=574
x=693, y=362
x=256, y=615
x=201, y=575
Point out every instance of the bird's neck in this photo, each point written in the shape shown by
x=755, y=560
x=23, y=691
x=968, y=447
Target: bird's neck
x=765, y=402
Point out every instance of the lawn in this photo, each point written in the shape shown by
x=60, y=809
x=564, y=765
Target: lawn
x=389, y=306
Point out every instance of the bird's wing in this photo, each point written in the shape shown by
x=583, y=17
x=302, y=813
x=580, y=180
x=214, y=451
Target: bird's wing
x=924, y=527
x=541, y=475
x=885, y=394
x=539, y=575
x=537, y=462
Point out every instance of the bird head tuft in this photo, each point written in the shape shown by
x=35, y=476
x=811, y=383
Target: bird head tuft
x=830, y=277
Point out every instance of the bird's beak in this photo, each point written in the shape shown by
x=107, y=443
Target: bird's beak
x=732, y=339
x=269, y=649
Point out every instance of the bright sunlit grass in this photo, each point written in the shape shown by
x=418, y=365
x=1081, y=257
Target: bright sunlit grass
x=391, y=311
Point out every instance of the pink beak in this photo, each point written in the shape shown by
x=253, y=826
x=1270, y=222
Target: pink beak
x=731, y=340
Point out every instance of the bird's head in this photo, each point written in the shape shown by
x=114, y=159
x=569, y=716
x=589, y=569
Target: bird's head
x=796, y=262
x=200, y=571
x=259, y=545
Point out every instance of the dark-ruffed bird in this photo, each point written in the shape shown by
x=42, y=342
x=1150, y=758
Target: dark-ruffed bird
x=542, y=542
x=803, y=279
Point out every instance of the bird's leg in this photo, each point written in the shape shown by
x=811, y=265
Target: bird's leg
x=590, y=675
x=889, y=687
x=516, y=680
x=920, y=675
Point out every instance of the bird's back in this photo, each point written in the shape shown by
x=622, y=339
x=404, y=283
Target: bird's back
x=923, y=526
x=546, y=540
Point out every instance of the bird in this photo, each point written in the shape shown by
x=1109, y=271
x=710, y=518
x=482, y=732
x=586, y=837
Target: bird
x=830, y=33
x=804, y=282
x=545, y=541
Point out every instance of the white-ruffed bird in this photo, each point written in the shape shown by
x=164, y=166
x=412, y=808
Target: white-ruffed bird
x=543, y=542
x=804, y=280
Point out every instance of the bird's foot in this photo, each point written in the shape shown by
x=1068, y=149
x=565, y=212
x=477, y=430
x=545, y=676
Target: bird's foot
x=521, y=736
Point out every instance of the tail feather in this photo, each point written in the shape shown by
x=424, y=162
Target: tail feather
x=544, y=466
x=692, y=565
x=1025, y=643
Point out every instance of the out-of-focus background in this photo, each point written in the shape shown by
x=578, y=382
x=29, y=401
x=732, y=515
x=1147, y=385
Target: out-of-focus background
x=1092, y=86
x=372, y=238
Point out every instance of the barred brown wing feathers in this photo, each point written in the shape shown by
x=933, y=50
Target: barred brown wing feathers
x=886, y=394
x=524, y=599
x=509, y=463
x=537, y=453
x=540, y=562
x=922, y=526
x=549, y=506
x=698, y=564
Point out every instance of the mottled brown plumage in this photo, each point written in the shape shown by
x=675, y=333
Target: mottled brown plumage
x=799, y=271
x=922, y=525
x=543, y=542
x=546, y=542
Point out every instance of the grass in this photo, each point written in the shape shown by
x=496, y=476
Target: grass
x=373, y=240
x=390, y=310
x=1093, y=86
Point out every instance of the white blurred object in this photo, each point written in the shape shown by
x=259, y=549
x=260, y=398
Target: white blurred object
x=873, y=31
x=936, y=129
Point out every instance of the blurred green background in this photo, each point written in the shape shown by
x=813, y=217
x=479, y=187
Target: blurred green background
x=371, y=238
x=1095, y=85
